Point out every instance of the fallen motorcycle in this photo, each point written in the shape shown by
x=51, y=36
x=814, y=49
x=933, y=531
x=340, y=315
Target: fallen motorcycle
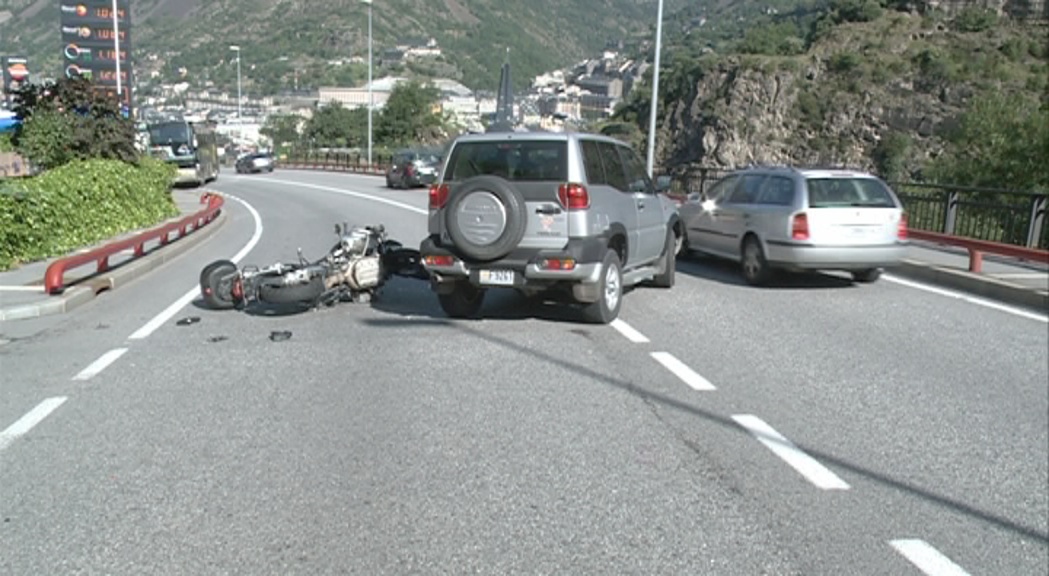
x=355, y=269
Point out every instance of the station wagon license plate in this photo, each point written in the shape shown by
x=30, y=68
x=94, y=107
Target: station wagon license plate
x=497, y=277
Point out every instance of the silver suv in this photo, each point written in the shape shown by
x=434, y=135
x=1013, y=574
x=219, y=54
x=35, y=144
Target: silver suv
x=572, y=216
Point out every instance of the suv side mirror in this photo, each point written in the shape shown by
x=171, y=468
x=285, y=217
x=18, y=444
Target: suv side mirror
x=663, y=183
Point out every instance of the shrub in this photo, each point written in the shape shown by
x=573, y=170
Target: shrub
x=80, y=203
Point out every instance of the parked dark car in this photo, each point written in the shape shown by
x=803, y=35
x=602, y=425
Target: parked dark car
x=412, y=168
x=255, y=162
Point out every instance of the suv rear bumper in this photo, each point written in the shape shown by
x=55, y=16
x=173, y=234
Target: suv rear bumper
x=587, y=253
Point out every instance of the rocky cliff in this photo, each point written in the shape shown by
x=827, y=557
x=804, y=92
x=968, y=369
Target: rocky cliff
x=899, y=82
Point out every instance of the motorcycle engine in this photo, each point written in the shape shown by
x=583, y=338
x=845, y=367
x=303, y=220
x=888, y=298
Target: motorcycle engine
x=358, y=270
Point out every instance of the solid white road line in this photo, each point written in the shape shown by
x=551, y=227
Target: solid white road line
x=928, y=559
x=21, y=288
x=804, y=464
x=99, y=365
x=32, y=418
x=682, y=371
x=1020, y=275
x=188, y=297
x=971, y=299
x=629, y=332
x=347, y=193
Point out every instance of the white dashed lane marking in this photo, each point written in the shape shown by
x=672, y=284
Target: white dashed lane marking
x=682, y=371
x=101, y=364
x=31, y=419
x=928, y=559
x=629, y=332
x=804, y=464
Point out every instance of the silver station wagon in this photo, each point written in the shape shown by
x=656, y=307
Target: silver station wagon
x=769, y=218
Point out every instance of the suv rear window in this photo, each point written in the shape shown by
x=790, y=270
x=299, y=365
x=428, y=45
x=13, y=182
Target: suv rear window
x=846, y=191
x=536, y=161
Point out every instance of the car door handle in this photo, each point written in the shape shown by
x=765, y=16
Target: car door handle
x=548, y=210
x=641, y=204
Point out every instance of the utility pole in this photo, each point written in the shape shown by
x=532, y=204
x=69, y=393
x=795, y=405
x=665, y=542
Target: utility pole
x=655, y=92
x=371, y=95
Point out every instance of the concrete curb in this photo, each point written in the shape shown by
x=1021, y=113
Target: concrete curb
x=977, y=284
x=94, y=285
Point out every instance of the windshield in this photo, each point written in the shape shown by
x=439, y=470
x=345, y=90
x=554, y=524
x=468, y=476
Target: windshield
x=534, y=161
x=174, y=133
x=837, y=192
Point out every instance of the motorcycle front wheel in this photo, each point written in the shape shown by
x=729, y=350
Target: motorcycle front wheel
x=216, y=284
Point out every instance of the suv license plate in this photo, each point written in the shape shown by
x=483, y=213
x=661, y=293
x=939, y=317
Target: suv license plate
x=497, y=277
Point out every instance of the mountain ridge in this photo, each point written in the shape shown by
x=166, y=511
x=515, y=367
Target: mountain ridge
x=291, y=44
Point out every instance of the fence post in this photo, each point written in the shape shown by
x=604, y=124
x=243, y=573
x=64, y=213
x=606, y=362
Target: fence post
x=1034, y=231
x=950, y=214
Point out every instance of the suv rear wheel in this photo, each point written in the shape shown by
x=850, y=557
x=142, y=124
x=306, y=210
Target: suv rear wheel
x=463, y=301
x=610, y=292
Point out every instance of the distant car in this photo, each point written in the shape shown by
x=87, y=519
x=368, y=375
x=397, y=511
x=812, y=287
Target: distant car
x=411, y=169
x=256, y=162
x=798, y=219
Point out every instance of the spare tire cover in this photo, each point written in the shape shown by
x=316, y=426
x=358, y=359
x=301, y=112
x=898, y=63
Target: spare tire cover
x=486, y=217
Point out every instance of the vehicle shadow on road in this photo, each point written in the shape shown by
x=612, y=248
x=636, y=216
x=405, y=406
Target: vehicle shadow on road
x=413, y=298
x=726, y=272
x=638, y=390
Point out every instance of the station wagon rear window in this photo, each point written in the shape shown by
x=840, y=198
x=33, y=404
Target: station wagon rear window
x=846, y=191
x=535, y=161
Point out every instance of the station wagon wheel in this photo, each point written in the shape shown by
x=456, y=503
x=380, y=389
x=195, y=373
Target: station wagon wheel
x=755, y=267
x=866, y=276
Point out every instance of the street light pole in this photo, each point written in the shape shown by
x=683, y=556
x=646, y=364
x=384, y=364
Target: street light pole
x=116, y=47
x=239, y=115
x=371, y=96
x=655, y=92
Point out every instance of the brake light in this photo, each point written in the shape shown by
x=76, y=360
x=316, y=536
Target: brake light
x=438, y=196
x=557, y=264
x=573, y=196
x=901, y=227
x=799, y=227
x=439, y=260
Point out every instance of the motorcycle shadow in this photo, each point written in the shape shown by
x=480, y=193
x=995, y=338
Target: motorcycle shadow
x=262, y=309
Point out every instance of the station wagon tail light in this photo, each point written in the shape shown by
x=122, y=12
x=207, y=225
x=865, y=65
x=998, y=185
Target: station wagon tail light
x=439, y=260
x=799, y=227
x=557, y=264
x=901, y=227
x=438, y=196
x=573, y=196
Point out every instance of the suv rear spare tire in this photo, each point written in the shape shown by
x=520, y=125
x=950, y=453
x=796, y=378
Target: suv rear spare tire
x=486, y=217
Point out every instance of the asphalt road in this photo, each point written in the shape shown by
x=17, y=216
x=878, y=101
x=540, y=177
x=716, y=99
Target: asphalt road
x=812, y=428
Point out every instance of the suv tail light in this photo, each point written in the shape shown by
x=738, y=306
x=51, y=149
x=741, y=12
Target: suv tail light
x=901, y=227
x=799, y=227
x=438, y=196
x=573, y=196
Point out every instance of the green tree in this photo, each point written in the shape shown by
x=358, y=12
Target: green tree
x=71, y=120
x=336, y=126
x=409, y=116
x=1001, y=141
x=282, y=129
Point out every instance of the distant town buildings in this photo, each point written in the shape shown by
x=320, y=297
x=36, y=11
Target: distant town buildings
x=589, y=90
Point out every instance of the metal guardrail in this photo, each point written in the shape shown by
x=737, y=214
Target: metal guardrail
x=1005, y=216
x=337, y=162
x=54, y=276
